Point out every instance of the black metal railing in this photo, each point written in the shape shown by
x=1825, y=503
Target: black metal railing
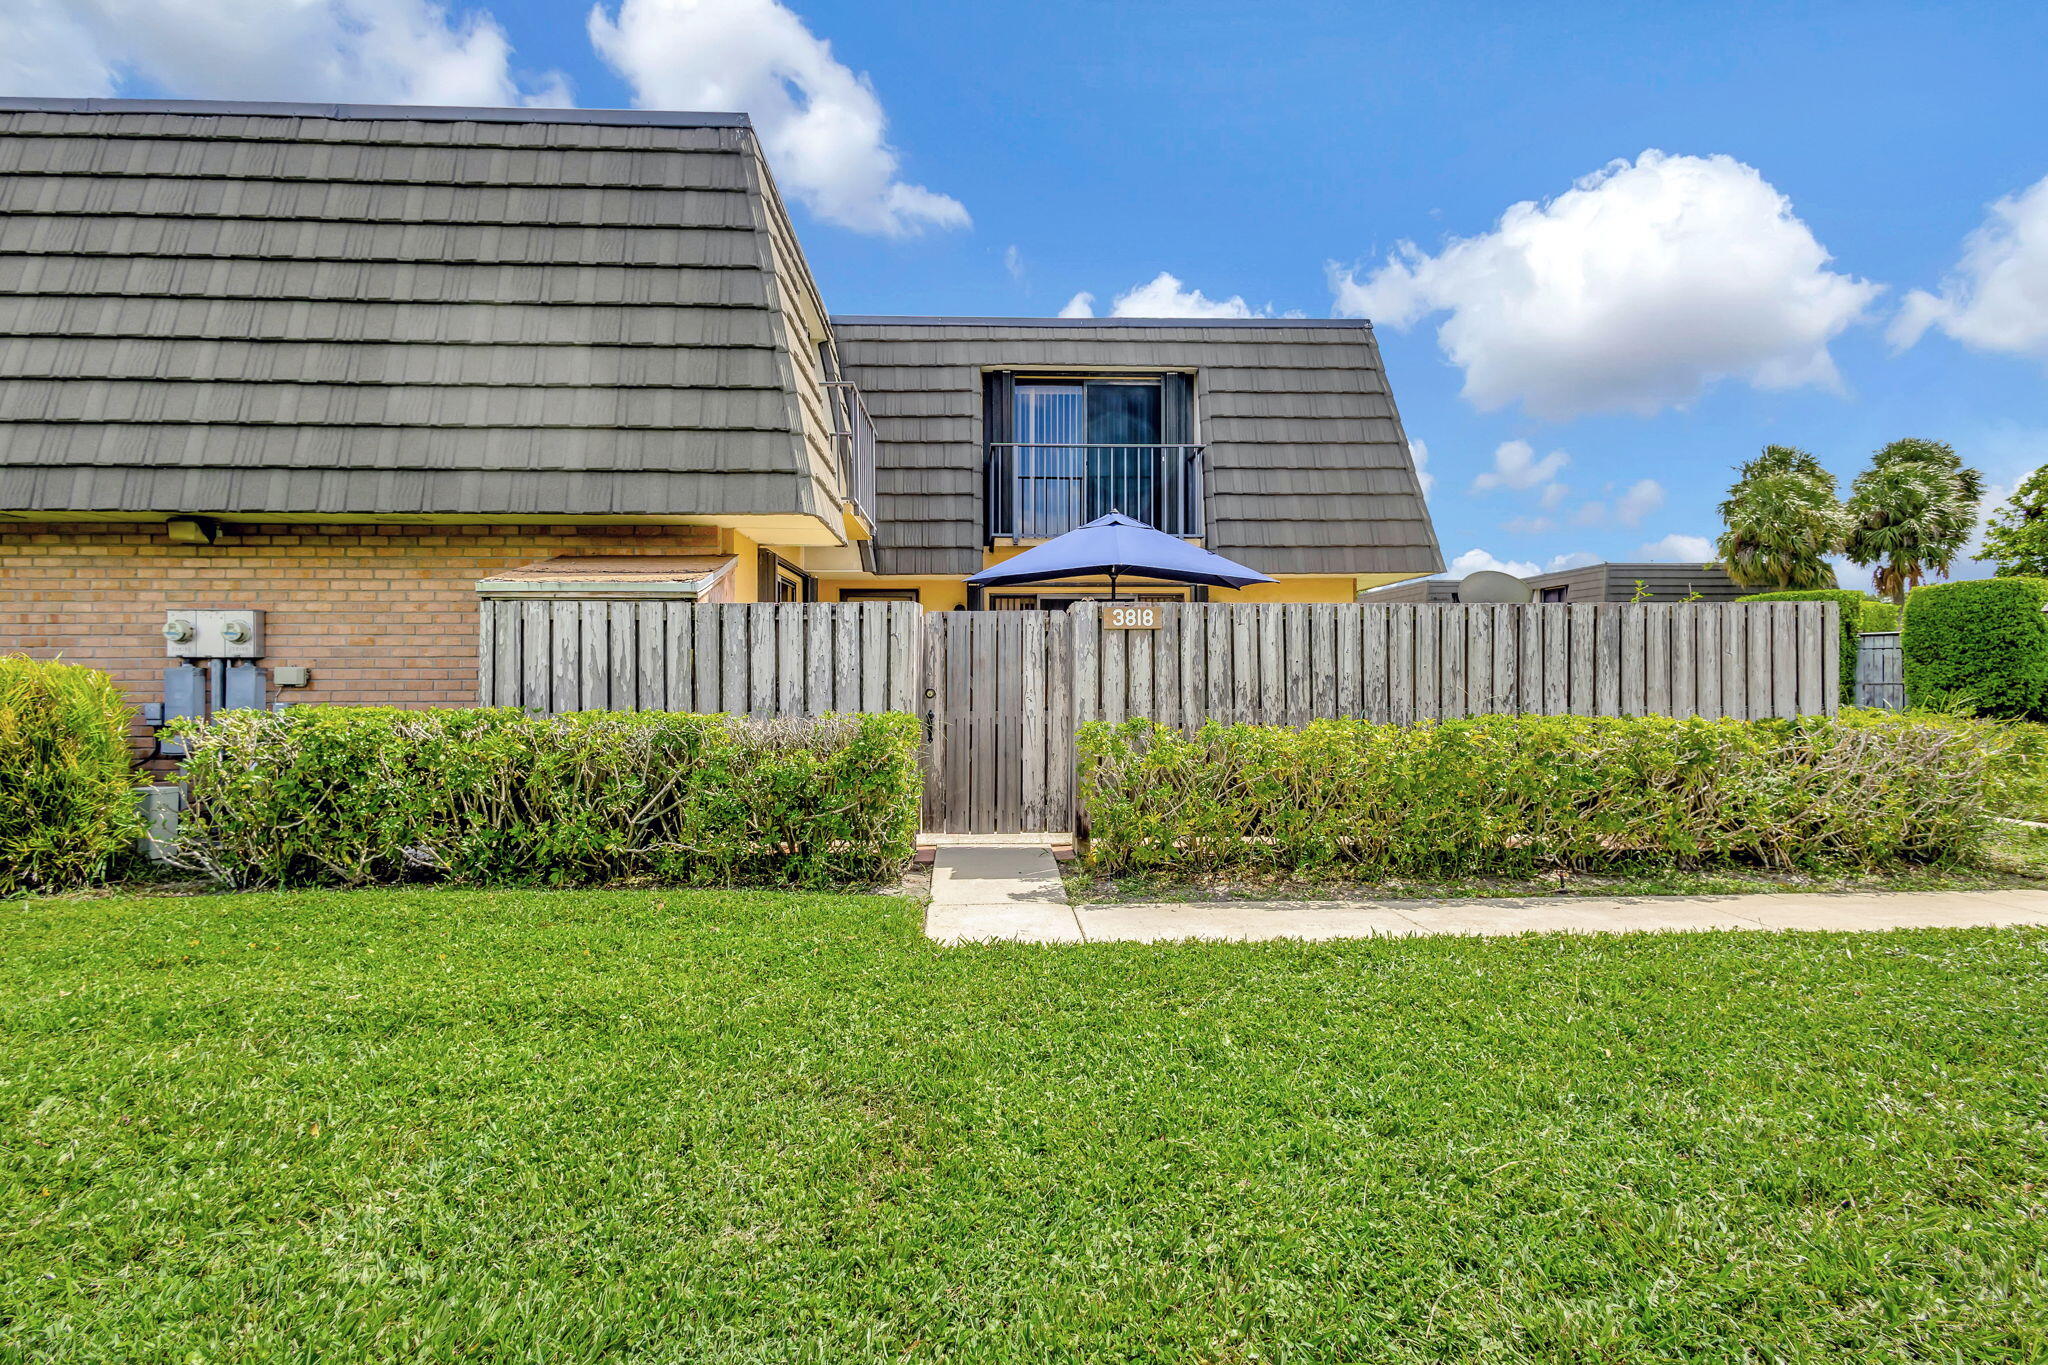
x=853, y=443
x=1037, y=490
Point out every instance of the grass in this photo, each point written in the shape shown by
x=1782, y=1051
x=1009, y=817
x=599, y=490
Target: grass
x=2016, y=856
x=637, y=1126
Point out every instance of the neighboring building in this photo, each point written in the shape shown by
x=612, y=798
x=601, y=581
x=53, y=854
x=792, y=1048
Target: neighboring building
x=1590, y=583
x=1416, y=590
x=353, y=365
x=1619, y=583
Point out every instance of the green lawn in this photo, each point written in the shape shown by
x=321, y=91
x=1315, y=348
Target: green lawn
x=637, y=1126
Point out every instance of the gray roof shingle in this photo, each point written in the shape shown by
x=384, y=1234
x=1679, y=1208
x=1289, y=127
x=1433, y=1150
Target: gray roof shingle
x=346, y=310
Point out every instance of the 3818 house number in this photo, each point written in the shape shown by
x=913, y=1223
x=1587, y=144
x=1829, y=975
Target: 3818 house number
x=1121, y=616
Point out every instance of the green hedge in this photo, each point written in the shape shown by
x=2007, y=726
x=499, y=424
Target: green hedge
x=1851, y=626
x=1878, y=616
x=1982, y=641
x=1517, y=794
x=67, y=784
x=348, y=796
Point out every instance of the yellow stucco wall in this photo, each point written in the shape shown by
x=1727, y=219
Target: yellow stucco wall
x=947, y=594
x=944, y=594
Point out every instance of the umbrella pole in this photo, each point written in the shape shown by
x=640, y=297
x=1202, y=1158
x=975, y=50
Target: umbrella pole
x=1112, y=585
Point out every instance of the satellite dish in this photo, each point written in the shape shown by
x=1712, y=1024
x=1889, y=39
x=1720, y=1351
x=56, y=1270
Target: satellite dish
x=1490, y=585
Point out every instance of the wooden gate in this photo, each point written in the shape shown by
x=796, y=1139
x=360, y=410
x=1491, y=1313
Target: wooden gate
x=1880, y=670
x=999, y=721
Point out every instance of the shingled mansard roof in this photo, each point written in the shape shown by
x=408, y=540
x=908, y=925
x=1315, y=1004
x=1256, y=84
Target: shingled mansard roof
x=1307, y=465
x=367, y=310
x=351, y=310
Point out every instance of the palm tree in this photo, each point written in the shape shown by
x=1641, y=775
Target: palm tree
x=1782, y=522
x=1911, y=512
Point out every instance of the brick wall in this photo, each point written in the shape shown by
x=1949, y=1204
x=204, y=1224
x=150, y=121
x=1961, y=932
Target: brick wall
x=381, y=614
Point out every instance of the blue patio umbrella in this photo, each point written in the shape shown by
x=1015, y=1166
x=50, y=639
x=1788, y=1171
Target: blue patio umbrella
x=1115, y=545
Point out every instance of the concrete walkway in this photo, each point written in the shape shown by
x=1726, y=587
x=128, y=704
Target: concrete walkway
x=1013, y=893
x=1007, y=890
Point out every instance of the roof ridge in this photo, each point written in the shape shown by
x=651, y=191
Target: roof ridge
x=912, y=320
x=413, y=113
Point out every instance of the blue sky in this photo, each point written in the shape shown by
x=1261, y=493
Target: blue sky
x=1656, y=325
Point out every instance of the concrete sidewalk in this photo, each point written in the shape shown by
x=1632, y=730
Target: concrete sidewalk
x=1014, y=894
x=1251, y=920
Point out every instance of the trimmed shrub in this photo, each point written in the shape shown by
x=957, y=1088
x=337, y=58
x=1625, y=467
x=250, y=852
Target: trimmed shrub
x=1878, y=616
x=67, y=785
x=2019, y=768
x=1851, y=625
x=1512, y=795
x=1982, y=641
x=350, y=796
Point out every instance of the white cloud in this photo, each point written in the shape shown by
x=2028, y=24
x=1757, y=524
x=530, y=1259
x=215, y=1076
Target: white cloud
x=360, y=51
x=1637, y=501
x=1575, y=559
x=1632, y=291
x=1528, y=526
x=820, y=123
x=1677, y=548
x=1642, y=497
x=1997, y=299
x=1013, y=261
x=1165, y=297
x=45, y=49
x=1418, y=454
x=1472, y=561
x=1515, y=466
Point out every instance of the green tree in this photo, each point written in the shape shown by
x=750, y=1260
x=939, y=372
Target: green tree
x=1782, y=522
x=2017, y=539
x=1910, y=513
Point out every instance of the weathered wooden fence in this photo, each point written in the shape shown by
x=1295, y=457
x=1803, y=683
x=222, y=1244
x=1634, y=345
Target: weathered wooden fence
x=1001, y=692
x=755, y=659
x=1881, y=670
x=1287, y=665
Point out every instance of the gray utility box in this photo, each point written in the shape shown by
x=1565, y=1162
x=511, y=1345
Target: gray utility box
x=209, y=634
x=161, y=807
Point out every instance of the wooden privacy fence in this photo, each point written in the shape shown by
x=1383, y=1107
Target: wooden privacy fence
x=754, y=659
x=1000, y=693
x=1288, y=665
x=1880, y=670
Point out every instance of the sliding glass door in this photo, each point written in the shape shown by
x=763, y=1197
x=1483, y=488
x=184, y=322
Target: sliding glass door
x=1082, y=449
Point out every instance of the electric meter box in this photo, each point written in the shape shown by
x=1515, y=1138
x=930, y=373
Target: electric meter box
x=213, y=634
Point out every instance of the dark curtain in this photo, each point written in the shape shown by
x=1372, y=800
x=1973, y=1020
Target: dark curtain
x=1182, y=488
x=998, y=425
x=1123, y=423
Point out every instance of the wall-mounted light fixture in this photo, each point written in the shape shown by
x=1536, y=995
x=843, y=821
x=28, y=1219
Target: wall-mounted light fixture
x=192, y=530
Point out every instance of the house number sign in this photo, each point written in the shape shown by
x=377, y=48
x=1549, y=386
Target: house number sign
x=1132, y=616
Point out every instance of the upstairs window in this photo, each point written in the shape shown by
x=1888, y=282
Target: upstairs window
x=1064, y=450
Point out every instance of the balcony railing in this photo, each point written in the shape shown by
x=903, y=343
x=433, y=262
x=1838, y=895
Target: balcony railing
x=1036, y=491
x=853, y=444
